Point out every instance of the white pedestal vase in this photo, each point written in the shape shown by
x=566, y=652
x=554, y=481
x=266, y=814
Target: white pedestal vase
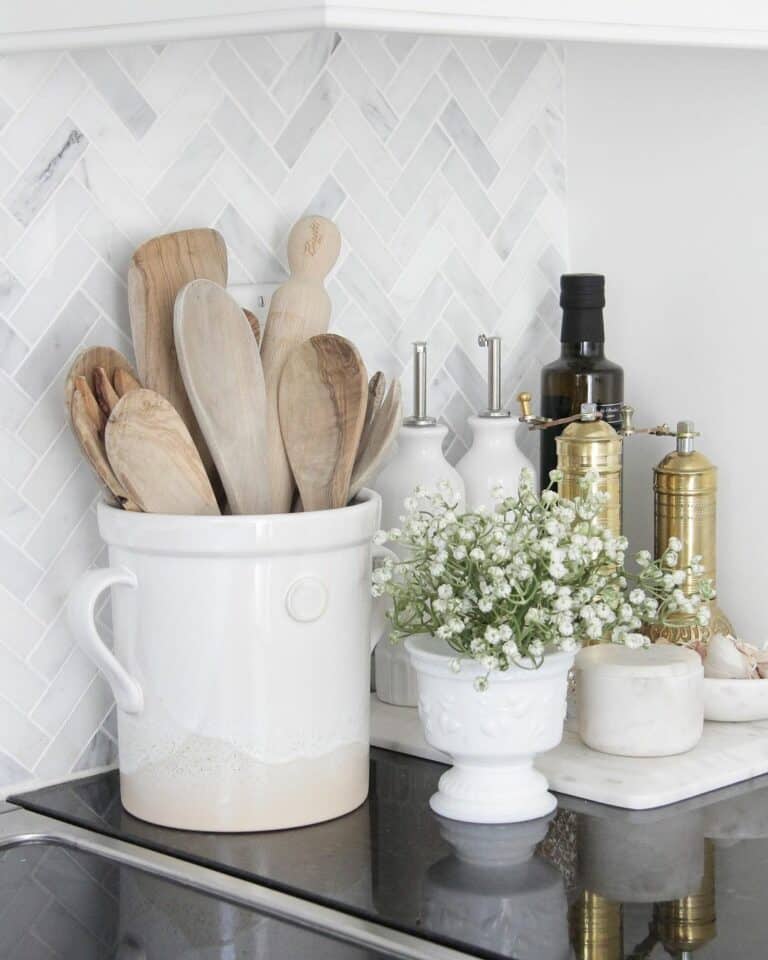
x=491, y=736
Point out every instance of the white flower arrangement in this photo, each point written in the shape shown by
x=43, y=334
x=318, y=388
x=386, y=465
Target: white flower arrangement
x=534, y=575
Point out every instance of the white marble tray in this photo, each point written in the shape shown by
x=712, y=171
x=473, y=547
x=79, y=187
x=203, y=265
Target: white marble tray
x=727, y=753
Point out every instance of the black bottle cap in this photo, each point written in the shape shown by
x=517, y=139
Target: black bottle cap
x=582, y=297
x=582, y=291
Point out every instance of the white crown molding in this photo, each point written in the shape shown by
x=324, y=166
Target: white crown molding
x=50, y=24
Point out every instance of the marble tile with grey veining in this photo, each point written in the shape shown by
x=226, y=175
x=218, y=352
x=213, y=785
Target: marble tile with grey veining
x=470, y=192
x=363, y=289
x=519, y=215
x=469, y=143
x=419, y=170
x=360, y=88
x=301, y=73
x=255, y=99
x=13, y=349
x=308, y=118
x=247, y=143
x=360, y=234
x=46, y=171
x=469, y=288
x=410, y=130
x=116, y=88
x=468, y=94
x=260, y=57
x=369, y=197
x=50, y=229
x=57, y=345
x=186, y=173
x=328, y=199
x=251, y=251
x=373, y=54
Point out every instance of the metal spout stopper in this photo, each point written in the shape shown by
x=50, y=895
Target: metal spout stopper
x=419, y=417
x=494, y=376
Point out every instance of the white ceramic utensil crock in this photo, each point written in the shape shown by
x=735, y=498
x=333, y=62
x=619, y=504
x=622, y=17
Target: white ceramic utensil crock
x=241, y=665
x=491, y=736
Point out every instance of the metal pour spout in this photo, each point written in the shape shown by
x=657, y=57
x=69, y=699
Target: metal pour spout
x=419, y=418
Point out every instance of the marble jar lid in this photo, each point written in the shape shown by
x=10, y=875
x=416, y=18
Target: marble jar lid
x=657, y=660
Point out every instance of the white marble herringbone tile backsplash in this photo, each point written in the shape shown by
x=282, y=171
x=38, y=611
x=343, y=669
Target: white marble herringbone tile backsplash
x=440, y=160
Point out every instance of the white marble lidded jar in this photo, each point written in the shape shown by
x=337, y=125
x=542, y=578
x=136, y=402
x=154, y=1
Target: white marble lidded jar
x=640, y=703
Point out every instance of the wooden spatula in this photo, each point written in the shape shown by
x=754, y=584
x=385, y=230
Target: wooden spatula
x=322, y=401
x=220, y=364
x=300, y=309
x=85, y=415
x=158, y=270
x=152, y=454
x=386, y=425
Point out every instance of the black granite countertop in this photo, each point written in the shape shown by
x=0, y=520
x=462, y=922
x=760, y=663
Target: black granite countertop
x=589, y=881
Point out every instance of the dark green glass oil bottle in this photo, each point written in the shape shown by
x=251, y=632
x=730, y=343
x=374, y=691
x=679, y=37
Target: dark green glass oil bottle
x=582, y=373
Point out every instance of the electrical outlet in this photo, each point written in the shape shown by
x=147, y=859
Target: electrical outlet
x=255, y=297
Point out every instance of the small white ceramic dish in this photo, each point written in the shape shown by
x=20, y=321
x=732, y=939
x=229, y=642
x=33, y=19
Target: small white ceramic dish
x=735, y=700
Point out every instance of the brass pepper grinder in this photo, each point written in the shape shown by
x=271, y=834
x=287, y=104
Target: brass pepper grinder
x=685, y=506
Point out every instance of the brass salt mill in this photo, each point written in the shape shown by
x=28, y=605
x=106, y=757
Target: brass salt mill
x=685, y=506
x=587, y=444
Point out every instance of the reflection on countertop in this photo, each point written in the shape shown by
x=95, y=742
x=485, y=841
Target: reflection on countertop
x=589, y=882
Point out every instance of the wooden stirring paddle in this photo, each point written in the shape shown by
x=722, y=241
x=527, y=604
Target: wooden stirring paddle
x=158, y=270
x=322, y=401
x=220, y=364
x=154, y=457
x=299, y=309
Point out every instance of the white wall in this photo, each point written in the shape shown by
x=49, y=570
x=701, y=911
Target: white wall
x=441, y=162
x=668, y=195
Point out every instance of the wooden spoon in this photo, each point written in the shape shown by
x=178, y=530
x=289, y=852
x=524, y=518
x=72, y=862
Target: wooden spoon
x=377, y=387
x=386, y=425
x=221, y=368
x=158, y=270
x=154, y=457
x=300, y=309
x=322, y=402
x=85, y=415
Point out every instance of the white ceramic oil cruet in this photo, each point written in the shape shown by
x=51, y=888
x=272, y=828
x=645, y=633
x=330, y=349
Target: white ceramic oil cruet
x=418, y=461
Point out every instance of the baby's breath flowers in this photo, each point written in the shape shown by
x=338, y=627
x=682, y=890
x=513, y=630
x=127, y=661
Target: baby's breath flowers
x=533, y=575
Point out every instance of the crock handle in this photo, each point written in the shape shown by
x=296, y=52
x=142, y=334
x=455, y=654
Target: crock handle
x=80, y=613
x=379, y=621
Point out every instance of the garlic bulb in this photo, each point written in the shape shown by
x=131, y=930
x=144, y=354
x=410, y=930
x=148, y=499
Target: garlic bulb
x=729, y=658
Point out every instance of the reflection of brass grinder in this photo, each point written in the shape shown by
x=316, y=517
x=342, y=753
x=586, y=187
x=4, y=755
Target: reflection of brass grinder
x=685, y=506
x=687, y=924
x=595, y=926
